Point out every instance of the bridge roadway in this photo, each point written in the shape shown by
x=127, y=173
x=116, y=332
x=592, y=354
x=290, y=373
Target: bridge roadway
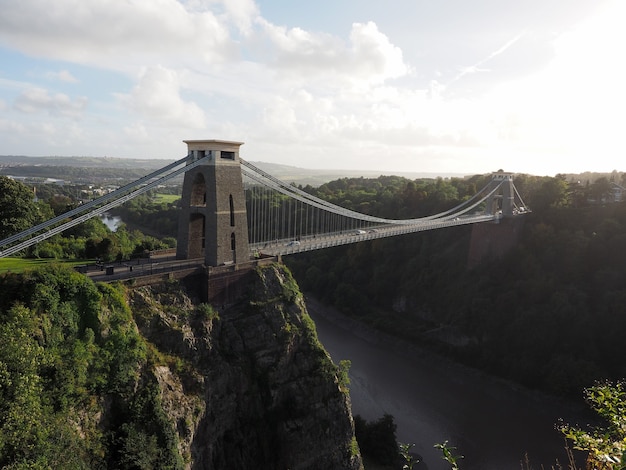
x=316, y=242
x=121, y=270
x=166, y=262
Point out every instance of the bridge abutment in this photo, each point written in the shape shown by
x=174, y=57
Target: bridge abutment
x=213, y=223
x=493, y=240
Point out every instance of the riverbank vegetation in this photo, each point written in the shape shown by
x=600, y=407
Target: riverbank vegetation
x=605, y=444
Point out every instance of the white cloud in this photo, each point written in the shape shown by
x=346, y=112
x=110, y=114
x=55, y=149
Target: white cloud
x=298, y=49
x=218, y=67
x=34, y=100
x=137, y=132
x=157, y=98
x=374, y=55
x=10, y=127
x=242, y=13
x=368, y=58
x=113, y=34
x=63, y=76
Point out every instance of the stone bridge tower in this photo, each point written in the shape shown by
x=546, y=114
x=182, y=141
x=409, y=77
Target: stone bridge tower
x=503, y=199
x=213, y=223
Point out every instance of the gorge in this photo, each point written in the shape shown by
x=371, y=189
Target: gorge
x=152, y=377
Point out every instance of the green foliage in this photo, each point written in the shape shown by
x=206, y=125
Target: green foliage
x=207, y=311
x=291, y=290
x=18, y=210
x=93, y=228
x=65, y=344
x=605, y=445
x=409, y=459
x=448, y=455
x=32, y=435
x=552, y=193
x=343, y=370
x=161, y=198
x=19, y=265
x=90, y=239
x=122, y=345
x=144, y=438
x=159, y=215
x=354, y=447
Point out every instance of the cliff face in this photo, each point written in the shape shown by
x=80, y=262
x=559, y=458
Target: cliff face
x=492, y=241
x=248, y=385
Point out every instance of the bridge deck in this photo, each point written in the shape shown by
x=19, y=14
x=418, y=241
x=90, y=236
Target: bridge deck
x=316, y=242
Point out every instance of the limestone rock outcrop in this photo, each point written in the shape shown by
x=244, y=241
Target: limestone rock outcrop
x=247, y=385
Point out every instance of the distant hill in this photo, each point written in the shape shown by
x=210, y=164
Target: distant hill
x=83, y=162
x=56, y=167
x=306, y=176
x=303, y=176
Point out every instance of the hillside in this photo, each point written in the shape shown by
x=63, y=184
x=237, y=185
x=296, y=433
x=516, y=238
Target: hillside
x=103, y=376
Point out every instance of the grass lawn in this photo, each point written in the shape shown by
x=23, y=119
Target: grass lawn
x=167, y=198
x=18, y=265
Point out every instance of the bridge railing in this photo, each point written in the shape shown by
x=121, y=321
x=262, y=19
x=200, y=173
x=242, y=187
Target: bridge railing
x=316, y=242
x=127, y=269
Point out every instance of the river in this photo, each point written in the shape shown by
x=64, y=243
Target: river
x=492, y=423
x=111, y=221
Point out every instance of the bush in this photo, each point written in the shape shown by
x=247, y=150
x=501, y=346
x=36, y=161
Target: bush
x=605, y=445
x=207, y=311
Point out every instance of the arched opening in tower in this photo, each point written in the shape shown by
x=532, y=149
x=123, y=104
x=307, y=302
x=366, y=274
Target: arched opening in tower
x=198, y=191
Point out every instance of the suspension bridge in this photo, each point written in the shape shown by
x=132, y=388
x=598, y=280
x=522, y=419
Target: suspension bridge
x=233, y=212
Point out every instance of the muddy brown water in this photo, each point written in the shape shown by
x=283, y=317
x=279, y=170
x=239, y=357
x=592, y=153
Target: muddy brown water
x=492, y=423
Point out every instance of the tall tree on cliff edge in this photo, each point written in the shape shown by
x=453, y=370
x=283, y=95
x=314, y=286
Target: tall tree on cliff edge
x=18, y=209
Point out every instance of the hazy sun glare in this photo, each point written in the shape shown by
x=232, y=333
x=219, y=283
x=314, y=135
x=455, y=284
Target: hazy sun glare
x=572, y=112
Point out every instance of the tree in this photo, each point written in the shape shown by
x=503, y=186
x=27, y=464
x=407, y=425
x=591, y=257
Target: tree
x=448, y=455
x=18, y=210
x=600, y=189
x=552, y=193
x=60, y=204
x=605, y=445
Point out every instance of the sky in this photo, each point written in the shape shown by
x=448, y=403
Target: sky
x=448, y=86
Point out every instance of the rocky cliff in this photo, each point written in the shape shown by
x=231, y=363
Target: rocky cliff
x=246, y=385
